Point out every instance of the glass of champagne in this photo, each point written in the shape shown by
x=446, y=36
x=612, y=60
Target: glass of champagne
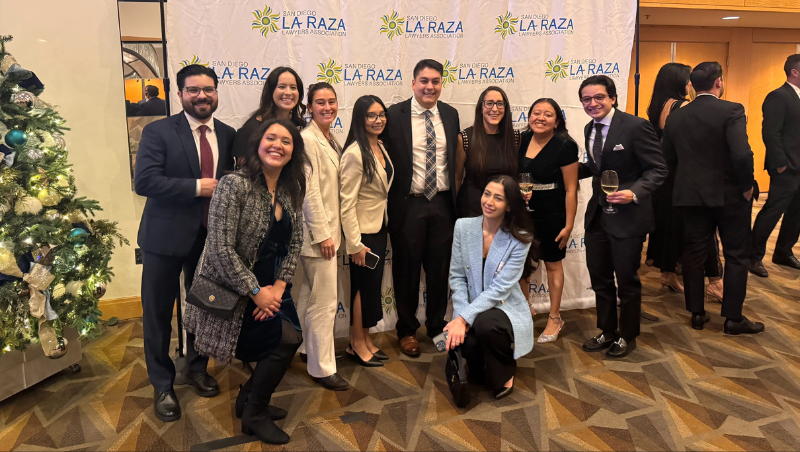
x=609, y=182
x=526, y=186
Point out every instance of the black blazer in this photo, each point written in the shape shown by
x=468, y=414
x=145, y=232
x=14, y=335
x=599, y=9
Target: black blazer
x=167, y=169
x=398, y=142
x=781, y=129
x=153, y=107
x=706, y=141
x=640, y=167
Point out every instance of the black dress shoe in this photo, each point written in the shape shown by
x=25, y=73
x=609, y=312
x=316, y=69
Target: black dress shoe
x=373, y=362
x=597, y=343
x=699, y=319
x=621, y=348
x=499, y=394
x=333, y=382
x=757, y=268
x=380, y=355
x=204, y=384
x=241, y=402
x=788, y=261
x=166, y=406
x=742, y=327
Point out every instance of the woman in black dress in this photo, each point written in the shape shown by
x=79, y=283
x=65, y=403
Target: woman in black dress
x=281, y=98
x=665, y=242
x=365, y=175
x=486, y=149
x=255, y=234
x=550, y=156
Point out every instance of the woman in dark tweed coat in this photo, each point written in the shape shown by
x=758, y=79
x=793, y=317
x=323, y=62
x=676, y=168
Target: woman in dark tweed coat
x=255, y=233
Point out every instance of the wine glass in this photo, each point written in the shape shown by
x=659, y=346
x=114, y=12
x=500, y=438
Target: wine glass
x=609, y=182
x=526, y=186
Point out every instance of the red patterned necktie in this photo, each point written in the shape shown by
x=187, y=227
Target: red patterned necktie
x=206, y=167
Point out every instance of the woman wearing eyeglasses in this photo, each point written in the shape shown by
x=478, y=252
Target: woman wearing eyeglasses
x=281, y=98
x=365, y=175
x=486, y=149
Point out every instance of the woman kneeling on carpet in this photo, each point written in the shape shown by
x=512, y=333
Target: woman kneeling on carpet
x=491, y=324
x=255, y=233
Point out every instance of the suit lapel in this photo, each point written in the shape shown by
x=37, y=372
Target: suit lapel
x=475, y=262
x=792, y=93
x=189, y=146
x=494, y=259
x=405, y=125
x=325, y=145
x=614, y=131
x=449, y=131
x=587, y=133
x=382, y=171
x=221, y=149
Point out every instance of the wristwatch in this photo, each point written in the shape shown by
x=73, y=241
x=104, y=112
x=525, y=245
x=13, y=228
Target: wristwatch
x=255, y=291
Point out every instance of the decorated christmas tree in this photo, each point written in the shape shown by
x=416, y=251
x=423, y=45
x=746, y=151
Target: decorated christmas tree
x=53, y=259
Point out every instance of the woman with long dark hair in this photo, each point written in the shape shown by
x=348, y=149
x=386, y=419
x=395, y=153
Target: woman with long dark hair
x=491, y=324
x=255, y=233
x=365, y=176
x=550, y=156
x=281, y=98
x=665, y=243
x=485, y=149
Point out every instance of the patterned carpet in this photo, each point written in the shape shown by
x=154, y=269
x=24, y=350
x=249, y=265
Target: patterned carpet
x=680, y=390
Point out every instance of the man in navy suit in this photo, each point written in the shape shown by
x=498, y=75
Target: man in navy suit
x=154, y=106
x=179, y=161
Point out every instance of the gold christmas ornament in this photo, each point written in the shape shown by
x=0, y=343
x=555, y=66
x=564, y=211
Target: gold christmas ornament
x=49, y=198
x=28, y=204
x=8, y=263
x=52, y=214
x=76, y=217
x=62, y=181
x=59, y=291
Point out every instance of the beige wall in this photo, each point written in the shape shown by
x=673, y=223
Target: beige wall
x=140, y=20
x=75, y=51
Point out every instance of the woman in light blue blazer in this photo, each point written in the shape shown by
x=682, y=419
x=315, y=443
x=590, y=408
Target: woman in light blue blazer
x=491, y=320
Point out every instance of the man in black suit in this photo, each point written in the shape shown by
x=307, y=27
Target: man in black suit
x=421, y=136
x=781, y=133
x=626, y=144
x=154, y=106
x=706, y=141
x=179, y=161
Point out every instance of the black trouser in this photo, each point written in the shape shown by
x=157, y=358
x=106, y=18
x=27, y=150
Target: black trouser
x=489, y=349
x=270, y=371
x=160, y=288
x=783, y=199
x=733, y=222
x=607, y=256
x=424, y=238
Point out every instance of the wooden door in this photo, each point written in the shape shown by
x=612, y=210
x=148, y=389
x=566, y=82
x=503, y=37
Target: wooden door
x=694, y=53
x=652, y=55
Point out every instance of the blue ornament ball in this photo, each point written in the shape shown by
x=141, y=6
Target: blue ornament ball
x=16, y=137
x=77, y=236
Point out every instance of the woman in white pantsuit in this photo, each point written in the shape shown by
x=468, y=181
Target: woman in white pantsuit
x=318, y=299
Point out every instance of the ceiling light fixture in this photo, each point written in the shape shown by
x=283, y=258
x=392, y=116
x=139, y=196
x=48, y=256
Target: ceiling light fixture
x=730, y=18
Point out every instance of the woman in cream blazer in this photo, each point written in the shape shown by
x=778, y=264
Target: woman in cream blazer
x=365, y=175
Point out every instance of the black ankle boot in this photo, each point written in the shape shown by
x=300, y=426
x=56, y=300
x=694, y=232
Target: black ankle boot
x=262, y=426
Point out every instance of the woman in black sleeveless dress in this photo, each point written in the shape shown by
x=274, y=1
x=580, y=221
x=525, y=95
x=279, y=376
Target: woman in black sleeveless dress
x=485, y=150
x=665, y=242
x=550, y=156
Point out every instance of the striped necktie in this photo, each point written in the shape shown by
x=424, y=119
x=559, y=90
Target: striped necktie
x=430, y=158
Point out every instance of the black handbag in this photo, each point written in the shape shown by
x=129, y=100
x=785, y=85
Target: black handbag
x=456, y=372
x=211, y=296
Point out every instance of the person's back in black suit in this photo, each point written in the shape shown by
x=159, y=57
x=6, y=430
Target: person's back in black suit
x=421, y=201
x=781, y=134
x=707, y=142
x=179, y=161
x=155, y=106
x=626, y=144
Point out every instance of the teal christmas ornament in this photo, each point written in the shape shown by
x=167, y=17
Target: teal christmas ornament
x=16, y=137
x=77, y=236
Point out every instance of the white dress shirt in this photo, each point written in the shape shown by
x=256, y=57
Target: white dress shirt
x=211, y=136
x=796, y=89
x=419, y=140
x=607, y=125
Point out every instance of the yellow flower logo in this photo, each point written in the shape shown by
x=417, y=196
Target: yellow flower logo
x=556, y=69
x=330, y=72
x=194, y=60
x=449, y=74
x=392, y=25
x=506, y=25
x=387, y=300
x=266, y=21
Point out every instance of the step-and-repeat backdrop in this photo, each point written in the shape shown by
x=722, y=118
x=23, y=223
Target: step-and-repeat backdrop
x=532, y=49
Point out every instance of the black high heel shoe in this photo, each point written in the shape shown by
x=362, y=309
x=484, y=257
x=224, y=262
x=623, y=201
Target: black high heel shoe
x=380, y=355
x=373, y=362
x=501, y=393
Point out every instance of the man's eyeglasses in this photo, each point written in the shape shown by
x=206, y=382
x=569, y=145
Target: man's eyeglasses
x=491, y=104
x=372, y=117
x=598, y=98
x=194, y=91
